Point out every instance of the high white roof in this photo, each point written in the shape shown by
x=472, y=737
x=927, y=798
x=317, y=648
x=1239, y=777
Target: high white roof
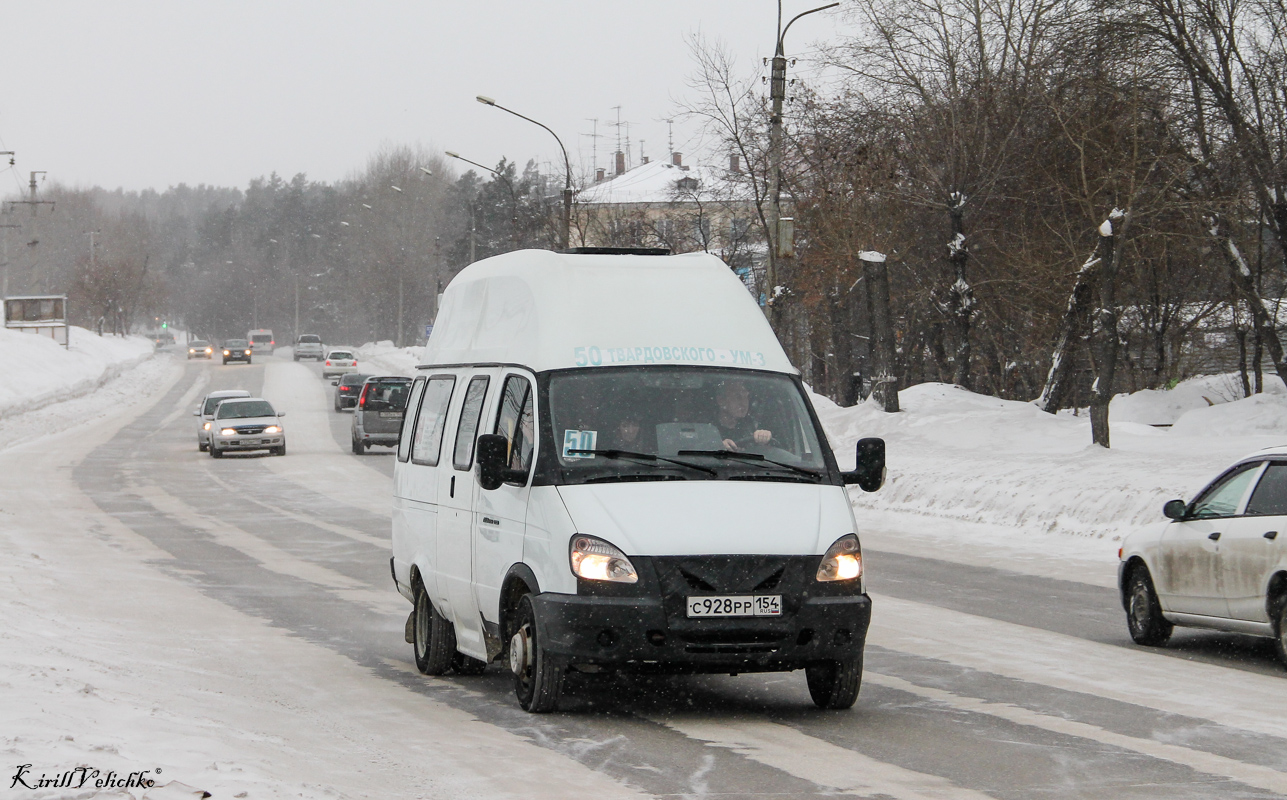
x=549, y=310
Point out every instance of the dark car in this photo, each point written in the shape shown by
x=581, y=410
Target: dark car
x=236, y=350
x=347, y=389
x=378, y=416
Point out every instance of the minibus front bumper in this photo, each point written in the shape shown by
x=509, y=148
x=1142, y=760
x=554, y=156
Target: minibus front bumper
x=645, y=626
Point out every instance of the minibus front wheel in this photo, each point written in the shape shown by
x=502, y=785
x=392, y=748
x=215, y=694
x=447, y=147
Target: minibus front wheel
x=433, y=637
x=538, y=675
x=835, y=684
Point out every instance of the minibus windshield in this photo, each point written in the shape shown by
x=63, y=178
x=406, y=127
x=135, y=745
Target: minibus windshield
x=689, y=423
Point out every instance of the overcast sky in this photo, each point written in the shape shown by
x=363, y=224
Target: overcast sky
x=151, y=94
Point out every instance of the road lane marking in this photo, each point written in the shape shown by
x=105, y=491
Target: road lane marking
x=1234, y=698
x=315, y=460
x=382, y=542
x=268, y=555
x=786, y=749
x=1251, y=774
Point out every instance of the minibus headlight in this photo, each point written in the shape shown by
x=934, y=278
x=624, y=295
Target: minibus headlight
x=273, y=429
x=842, y=561
x=596, y=560
x=228, y=432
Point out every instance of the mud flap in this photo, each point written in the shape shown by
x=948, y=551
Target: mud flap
x=409, y=631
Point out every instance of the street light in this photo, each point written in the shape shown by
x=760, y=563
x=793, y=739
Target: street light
x=777, y=91
x=567, y=165
x=513, y=196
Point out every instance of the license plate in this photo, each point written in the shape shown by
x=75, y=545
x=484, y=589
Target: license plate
x=390, y=415
x=759, y=605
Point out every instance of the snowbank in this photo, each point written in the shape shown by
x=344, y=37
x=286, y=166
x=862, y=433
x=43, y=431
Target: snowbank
x=386, y=359
x=37, y=371
x=957, y=455
x=1165, y=407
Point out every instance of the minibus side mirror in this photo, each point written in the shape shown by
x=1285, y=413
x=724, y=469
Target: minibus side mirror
x=869, y=473
x=1174, y=509
x=335, y=383
x=196, y=413
x=281, y=413
x=492, y=468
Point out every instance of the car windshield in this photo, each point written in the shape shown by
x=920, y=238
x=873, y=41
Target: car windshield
x=692, y=423
x=352, y=381
x=261, y=337
x=309, y=339
x=243, y=409
x=213, y=402
x=197, y=344
x=340, y=355
x=233, y=344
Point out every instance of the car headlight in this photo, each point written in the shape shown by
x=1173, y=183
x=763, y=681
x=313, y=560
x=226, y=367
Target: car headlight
x=842, y=561
x=596, y=560
x=208, y=351
x=192, y=349
x=207, y=427
x=225, y=352
x=228, y=432
x=247, y=352
x=273, y=429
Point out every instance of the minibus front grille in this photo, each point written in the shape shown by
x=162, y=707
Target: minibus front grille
x=740, y=642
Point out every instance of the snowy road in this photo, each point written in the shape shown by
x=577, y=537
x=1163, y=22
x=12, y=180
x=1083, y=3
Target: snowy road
x=234, y=623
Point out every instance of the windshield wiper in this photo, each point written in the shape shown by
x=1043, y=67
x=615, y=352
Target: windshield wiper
x=614, y=453
x=734, y=454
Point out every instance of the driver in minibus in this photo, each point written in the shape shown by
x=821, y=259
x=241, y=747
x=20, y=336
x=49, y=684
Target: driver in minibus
x=736, y=427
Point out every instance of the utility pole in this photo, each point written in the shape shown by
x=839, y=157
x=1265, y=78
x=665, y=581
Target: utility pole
x=777, y=92
x=35, y=206
x=4, y=255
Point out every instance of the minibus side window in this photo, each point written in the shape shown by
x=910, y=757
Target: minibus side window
x=470, y=415
x=516, y=421
x=427, y=442
x=409, y=420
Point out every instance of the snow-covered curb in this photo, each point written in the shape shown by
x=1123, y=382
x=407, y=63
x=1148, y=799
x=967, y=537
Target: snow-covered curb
x=39, y=372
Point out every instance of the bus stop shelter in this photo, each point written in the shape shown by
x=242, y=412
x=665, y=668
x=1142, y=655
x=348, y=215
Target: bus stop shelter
x=42, y=314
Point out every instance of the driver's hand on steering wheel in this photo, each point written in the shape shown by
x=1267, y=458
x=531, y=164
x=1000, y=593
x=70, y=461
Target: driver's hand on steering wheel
x=763, y=437
x=729, y=444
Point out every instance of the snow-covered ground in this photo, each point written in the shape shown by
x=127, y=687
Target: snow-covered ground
x=38, y=371
x=1012, y=475
x=45, y=388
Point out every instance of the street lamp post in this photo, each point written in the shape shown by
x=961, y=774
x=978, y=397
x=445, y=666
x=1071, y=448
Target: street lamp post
x=777, y=91
x=513, y=196
x=567, y=166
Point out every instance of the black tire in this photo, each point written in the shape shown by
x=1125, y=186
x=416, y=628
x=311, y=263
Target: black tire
x=1280, y=629
x=467, y=665
x=834, y=685
x=357, y=448
x=1143, y=611
x=201, y=448
x=215, y=452
x=540, y=682
x=433, y=639
x=281, y=451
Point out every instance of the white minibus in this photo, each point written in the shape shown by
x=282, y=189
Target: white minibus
x=607, y=463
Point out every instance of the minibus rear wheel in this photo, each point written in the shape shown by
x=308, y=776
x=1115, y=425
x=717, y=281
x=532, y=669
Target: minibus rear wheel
x=434, y=638
x=835, y=684
x=538, y=676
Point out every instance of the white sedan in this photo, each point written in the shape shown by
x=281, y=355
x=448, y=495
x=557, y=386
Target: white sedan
x=1219, y=563
x=339, y=362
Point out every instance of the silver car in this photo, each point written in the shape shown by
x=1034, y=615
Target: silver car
x=206, y=411
x=308, y=345
x=377, y=417
x=1219, y=562
x=247, y=424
